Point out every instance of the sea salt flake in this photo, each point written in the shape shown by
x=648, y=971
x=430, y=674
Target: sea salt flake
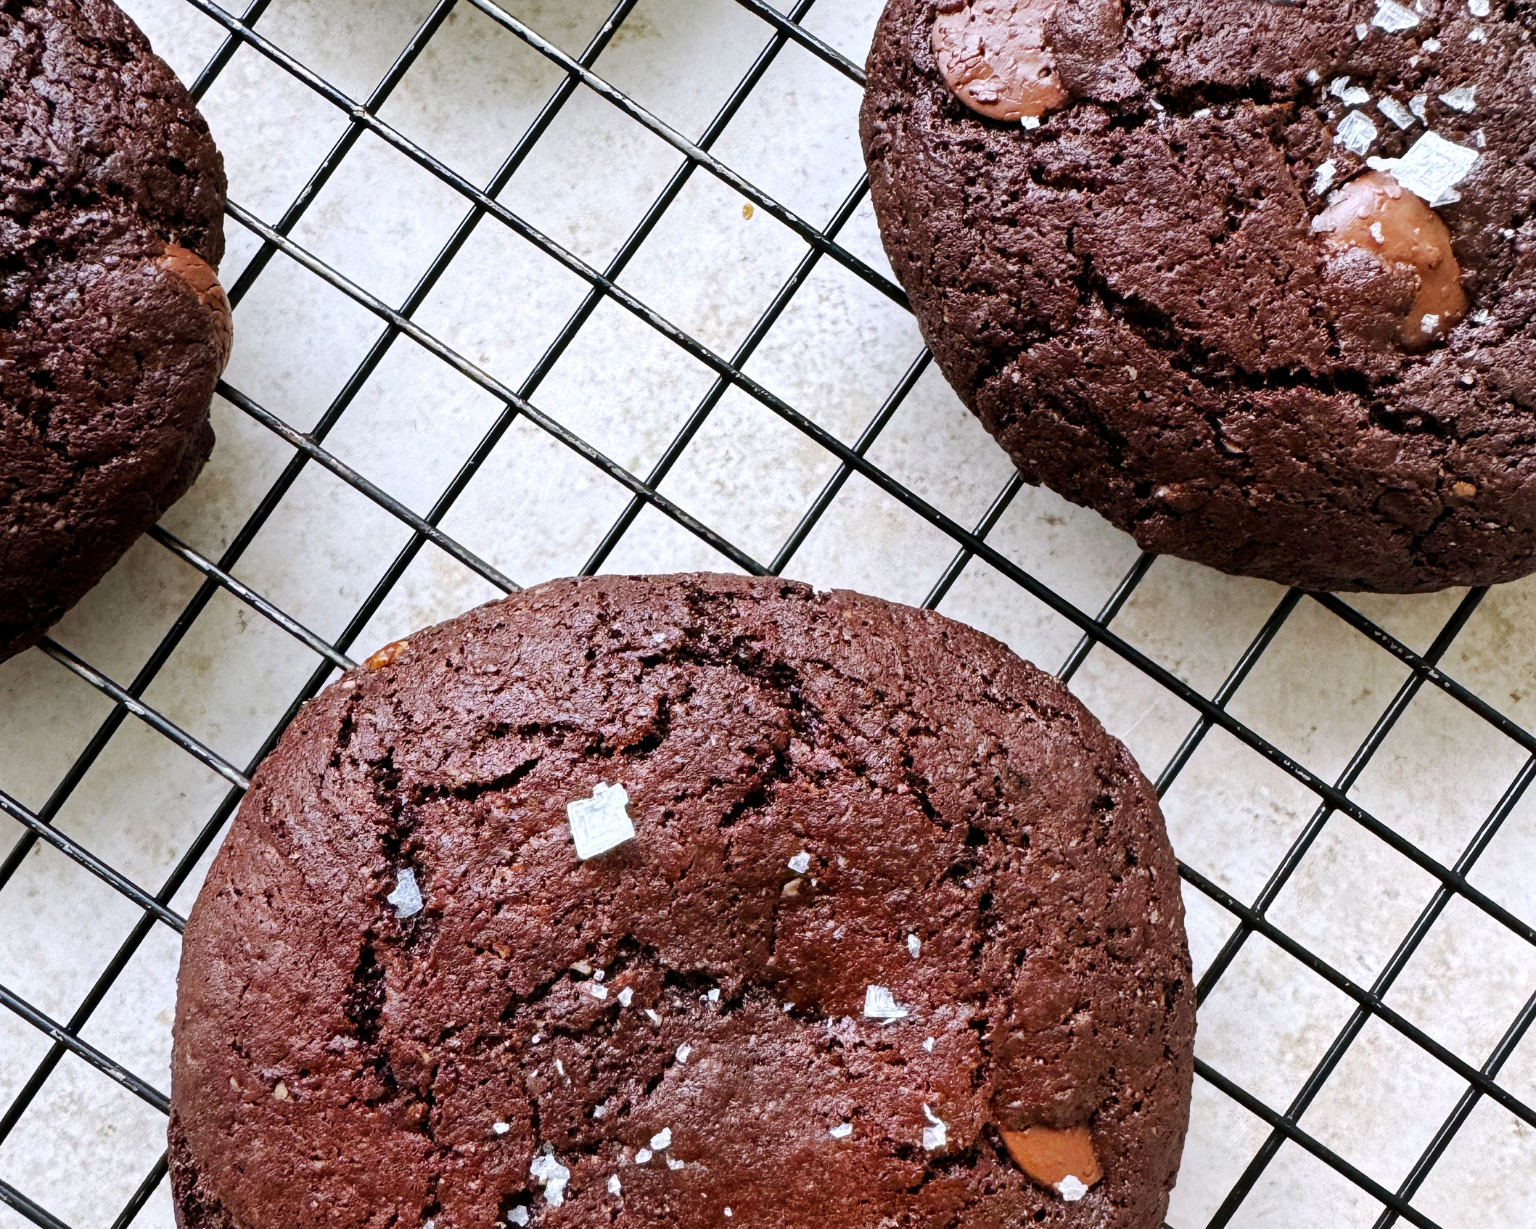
x=1031, y=121
x=662, y=1140
x=1325, y=176
x=1431, y=168
x=1393, y=17
x=655, y=1019
x=1362, y=31
x=1479, y=8
x=1463, y=98
x=841, y=1131
x=1482, y=316
x=1312, y=78
x=1481, y=138
x=928, y=1044
x=518, y=1215
x=915, y=946
x=599, y=975
x=560, y=1067
x=800, y=863
x=406, y=898
x=1477, y=35
x=727, y=1211
x=880, y=1004
x=1396, y=112
x=1349, y=95
x=674, y=1163
x=642, y=1156
x=683, y=1051
x=937, y=1135
x=1431, y=44
x=599, y=1111
x=1430, y=322
x=552, y=1175
x=1356, y=132
x=1070, y=1189
x=1377, y=233
x=615, y=1187
x=626, y=997
x=1419, y=105
x=598, y=991
x=714, y=995
x=501, y=1128
x=601, y=822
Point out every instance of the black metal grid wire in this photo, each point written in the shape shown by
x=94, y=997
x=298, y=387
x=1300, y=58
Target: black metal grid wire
x=1247, y=918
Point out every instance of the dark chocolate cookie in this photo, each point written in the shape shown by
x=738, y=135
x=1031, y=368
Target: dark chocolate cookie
x=113, y=327
x=669, y=900
x=1255, y=280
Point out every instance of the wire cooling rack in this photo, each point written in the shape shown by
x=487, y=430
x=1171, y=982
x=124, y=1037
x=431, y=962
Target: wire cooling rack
x=1250, y=1130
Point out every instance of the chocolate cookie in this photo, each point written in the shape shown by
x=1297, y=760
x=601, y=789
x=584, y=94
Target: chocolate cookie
x=1255, y=280
x=113, y=327
x=687, y=901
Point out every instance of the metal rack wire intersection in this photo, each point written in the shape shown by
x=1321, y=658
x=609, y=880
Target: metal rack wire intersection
x=970, y=543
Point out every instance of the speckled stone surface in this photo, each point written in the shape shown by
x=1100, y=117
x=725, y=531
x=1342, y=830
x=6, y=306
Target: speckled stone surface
x=830, y=793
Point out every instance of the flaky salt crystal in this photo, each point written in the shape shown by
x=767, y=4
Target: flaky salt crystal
x=800, y=863
x=1462, y=98
x=518, y=1215
x=615, y=1187
x=1479, y=8
x=1396, y=112
x=683, y=1051
x=1393, y=17
x=654, y=1018
x=1071, y=1189
x=880, y=1004
x=1031, y=121
x=937, y=1135
x=601, y=822
x=626, y=997
x=915, y=946
x=928, y=1044
x=1431, y=169
x=662, y=1140
x=1356, y=132
x=674, y=1163
x=406, y=898
x=714, y=995
x=642, y=1156
x=1325, y=176
x=841, y=1131
x=553, y=1175
x=501, y=1128
x=1349, y=95
x=598, y=991
x=1431, y=44
x=1419, y=105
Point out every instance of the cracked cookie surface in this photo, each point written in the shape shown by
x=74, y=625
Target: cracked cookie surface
x=1133, y=299
x=113, y=329
x=830, y=794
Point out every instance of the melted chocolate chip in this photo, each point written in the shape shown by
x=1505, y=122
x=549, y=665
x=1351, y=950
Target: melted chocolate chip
x=1377, y=215
x=203, y=281
x=995, y=57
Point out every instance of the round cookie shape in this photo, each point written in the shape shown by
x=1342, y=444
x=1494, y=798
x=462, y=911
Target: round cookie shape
x=113, y=326
x=1261, y=289
x=897, y=938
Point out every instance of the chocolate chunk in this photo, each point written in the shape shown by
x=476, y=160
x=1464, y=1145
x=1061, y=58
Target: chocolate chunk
x=994, y=56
